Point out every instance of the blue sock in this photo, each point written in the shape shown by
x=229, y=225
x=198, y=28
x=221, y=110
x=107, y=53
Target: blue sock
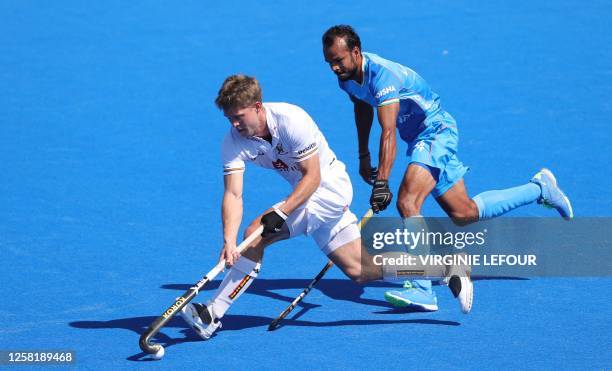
x=495, y=203
x=416, y=224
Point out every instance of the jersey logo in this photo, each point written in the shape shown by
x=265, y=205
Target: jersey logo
x=310, y=146
x=385, y=91
x=253, y=158
x=280, y=150
x=280, y=165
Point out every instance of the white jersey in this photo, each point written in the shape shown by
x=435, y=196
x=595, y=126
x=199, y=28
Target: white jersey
x=295, y=138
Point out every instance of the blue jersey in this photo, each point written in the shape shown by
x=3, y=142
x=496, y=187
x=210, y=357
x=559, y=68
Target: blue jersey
x=385, y=82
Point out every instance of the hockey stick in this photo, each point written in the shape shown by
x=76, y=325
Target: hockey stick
x=157, y=350
x=274, y=324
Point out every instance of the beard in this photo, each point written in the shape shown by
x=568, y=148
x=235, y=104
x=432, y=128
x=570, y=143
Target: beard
x=348, y=74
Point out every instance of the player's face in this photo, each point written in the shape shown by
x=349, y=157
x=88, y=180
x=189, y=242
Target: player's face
x=342, y=60
x=245, y=120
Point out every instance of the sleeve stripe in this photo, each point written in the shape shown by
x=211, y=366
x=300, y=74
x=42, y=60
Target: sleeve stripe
x=307, y=153
x=389, y=101
x=233, y=169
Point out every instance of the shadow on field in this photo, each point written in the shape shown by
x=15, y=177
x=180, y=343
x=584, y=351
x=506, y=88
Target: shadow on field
x=338, y=289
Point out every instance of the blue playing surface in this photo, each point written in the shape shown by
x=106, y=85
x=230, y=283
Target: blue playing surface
x=111, y=179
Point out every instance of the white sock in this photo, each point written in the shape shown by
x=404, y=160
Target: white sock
x=236, y=281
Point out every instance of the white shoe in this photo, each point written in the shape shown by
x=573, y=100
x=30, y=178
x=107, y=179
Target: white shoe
x=460, y=284
x=201, y=320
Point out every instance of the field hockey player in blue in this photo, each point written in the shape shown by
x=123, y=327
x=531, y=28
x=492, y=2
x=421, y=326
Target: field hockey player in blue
x=405, y=103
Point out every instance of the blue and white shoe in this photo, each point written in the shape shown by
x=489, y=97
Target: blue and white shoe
x=552, y=195
x=416, y=294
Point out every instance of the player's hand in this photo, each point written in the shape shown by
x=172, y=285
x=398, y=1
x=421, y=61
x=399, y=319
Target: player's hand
x=381, y=195
x=367, y=172
x=230, y=254
x=273, y=222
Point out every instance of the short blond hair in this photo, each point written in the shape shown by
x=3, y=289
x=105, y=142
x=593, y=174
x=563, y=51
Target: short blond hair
x=238, y=91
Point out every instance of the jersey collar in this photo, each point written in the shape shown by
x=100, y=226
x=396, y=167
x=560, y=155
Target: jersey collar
x=364, y=76
x=272, y=128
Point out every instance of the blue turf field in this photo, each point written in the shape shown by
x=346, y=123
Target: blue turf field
x=110, y=177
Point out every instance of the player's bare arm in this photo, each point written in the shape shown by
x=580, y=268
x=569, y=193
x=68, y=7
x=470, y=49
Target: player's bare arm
x=364, y=116
x=387, y=116
x=231, y=215
x=311, y=178
x=381, y=194
x=274, y=220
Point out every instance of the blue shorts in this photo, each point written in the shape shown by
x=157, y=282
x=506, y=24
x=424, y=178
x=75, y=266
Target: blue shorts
x=436, y=147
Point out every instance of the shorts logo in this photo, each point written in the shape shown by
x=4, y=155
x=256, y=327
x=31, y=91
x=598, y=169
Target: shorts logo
x=280, y=165
x=385, y=91
x=404, y=118
x=420, y=146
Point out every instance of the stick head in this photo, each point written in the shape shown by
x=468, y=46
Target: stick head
x=273, y=325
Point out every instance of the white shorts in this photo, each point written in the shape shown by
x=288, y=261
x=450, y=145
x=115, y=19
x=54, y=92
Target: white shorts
x=327, y=213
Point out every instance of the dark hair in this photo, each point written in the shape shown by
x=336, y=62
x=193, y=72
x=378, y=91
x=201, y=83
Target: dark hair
x=344, y=31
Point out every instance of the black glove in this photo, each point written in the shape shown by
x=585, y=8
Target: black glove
x=381, y=195
x=273, y=222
